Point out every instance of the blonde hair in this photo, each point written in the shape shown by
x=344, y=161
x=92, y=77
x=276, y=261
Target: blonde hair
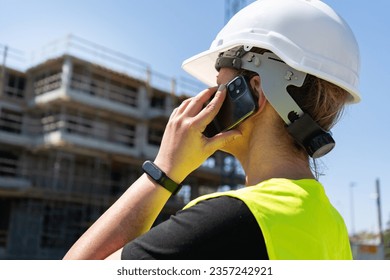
x=322, y=100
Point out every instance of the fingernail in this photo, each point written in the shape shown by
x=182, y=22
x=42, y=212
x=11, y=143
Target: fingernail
x=221, y=87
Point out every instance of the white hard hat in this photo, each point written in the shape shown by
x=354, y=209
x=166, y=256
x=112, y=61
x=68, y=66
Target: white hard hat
x=306, y=34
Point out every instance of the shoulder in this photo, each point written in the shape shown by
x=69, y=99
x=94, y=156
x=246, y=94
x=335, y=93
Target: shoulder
x=226, y=206
x=217, y=228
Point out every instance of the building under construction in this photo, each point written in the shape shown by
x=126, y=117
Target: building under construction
x=74, y=132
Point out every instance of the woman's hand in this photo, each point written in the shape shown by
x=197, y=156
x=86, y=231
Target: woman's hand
x=184, y=148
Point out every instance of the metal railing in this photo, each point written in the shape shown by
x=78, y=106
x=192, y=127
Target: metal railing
x=114, y=131
x=104, y=90
x=114, y=60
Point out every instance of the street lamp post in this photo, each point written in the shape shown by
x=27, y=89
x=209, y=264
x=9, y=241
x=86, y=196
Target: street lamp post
x=352, y=185
x=378, y=201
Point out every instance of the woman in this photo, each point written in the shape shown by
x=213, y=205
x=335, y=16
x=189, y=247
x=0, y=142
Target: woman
x=301, y=79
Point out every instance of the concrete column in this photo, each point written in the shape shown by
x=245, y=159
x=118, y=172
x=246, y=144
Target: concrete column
x=169, y=104
x=141, y=130
x=141, y=140
x=29, y=93
x=143, y=101
x=66, y=76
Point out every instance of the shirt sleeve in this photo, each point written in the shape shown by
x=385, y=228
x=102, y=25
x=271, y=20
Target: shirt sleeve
x=218, y=228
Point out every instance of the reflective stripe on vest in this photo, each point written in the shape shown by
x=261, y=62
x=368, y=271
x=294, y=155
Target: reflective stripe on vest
x=296, y=218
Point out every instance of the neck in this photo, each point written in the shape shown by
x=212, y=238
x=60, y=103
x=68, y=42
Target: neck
x=260, y=168
x=266, y=153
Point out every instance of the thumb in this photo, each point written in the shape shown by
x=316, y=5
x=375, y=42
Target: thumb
x=220, y=140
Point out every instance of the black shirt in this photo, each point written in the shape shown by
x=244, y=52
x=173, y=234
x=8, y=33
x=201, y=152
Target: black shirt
x=218, y=228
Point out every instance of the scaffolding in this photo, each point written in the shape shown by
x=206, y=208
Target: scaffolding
x=74, y=132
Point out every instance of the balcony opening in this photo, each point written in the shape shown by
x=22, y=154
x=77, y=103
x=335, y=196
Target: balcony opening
x=124, y=134
x=15, y=86
x=155, y=136
x=8, y=164
x=10, y=121
x=157, y=101
x=47, y=81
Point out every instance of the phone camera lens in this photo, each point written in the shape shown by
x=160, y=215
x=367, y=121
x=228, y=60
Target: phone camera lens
x=236, y=88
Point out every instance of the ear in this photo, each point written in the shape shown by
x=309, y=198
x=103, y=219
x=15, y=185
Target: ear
x=255, y=84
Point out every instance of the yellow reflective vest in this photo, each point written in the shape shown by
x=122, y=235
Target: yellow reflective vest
x=296, y=218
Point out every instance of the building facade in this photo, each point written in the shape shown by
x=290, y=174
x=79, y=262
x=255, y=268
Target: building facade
x=73, y=136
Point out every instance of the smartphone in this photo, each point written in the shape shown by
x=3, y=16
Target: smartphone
x=239, y=104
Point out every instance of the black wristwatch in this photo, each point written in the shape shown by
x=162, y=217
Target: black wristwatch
x=160, y=177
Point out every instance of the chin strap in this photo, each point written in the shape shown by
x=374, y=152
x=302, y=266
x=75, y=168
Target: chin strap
x=276, y=76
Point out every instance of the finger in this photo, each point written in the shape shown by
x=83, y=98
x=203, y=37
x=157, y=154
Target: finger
x=198, y=101
x=182, y=107
x=212, y=109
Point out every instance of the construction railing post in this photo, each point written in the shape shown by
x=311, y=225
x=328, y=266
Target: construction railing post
x=2, y=80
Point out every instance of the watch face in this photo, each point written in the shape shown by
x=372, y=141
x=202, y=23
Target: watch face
x=153, y=171
x=160, y=177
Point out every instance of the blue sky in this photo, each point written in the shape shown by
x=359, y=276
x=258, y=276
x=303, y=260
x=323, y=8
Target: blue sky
x=164, y=33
